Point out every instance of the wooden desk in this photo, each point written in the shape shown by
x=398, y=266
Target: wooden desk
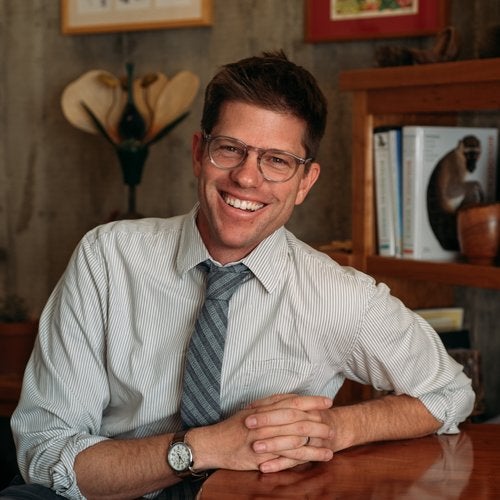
x=461, y=466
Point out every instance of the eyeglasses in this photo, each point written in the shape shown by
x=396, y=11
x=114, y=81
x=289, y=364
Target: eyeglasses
x=275, y=165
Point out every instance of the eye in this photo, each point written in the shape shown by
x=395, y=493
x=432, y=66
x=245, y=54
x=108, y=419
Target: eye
x=277, y=160
x=228, y=148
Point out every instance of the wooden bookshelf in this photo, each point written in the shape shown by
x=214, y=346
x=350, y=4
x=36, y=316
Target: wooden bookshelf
x=433, y=94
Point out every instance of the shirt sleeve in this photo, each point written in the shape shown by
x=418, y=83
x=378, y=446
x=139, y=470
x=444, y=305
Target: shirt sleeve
x=61, y=404
x=398, y=351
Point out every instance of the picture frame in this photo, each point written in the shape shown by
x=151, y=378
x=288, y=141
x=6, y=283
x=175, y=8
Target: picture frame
x=107, y=16
x=323, y=22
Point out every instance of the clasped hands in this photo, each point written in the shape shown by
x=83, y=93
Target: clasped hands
x=271, y=434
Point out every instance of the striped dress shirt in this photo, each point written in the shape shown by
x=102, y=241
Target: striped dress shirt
x=109, y=358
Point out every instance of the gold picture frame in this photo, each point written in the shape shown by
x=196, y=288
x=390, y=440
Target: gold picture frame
x=107, y=16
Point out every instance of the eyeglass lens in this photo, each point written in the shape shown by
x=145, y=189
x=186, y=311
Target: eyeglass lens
x=275, y=165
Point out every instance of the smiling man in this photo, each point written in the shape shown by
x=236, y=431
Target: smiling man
x=239, y=206
x=216, y=339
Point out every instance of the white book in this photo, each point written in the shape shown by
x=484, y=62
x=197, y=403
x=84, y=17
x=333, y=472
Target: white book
x=386, y=236
x=396, y=164
x=444, y=169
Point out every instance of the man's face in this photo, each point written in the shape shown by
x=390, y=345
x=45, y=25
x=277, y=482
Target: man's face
x=229, y=232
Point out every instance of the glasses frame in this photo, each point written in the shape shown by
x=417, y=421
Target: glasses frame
x=208, y=138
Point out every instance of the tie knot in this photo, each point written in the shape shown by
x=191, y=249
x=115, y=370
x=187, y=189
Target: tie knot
x=222, y=282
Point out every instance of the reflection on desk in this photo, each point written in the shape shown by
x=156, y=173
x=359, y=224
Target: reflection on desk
x=464, y=465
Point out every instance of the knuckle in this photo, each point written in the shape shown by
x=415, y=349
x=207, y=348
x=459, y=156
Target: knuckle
x=303, y=428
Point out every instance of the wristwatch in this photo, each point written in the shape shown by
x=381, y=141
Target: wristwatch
x=180, y=457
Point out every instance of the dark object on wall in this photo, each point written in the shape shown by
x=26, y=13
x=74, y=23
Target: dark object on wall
x=445, y=48
x=489, y=43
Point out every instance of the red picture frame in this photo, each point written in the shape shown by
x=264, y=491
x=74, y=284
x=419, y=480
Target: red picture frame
x=432, y=17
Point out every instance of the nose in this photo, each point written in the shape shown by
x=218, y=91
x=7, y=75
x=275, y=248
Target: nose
x=248, y=174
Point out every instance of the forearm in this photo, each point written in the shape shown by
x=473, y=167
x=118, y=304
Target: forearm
x=124, y=468
x=386, y=418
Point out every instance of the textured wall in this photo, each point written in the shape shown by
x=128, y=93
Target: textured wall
x=57, y=182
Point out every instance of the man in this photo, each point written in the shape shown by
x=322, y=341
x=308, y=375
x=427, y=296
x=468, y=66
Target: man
x=102, y=391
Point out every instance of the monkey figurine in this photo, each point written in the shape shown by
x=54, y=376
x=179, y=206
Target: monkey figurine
x=448, y=190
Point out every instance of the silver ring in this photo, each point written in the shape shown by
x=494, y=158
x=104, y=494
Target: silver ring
x=307, y=441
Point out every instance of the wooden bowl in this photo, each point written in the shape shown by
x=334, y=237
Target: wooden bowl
x=478, y=229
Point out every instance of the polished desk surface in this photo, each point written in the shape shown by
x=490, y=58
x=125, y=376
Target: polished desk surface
x=465, y=465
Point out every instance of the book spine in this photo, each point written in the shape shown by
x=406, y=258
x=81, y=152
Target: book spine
x=412, y=159
x=396, y=166
x=383, y=194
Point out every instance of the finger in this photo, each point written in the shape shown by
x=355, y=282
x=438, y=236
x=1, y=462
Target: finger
x=279, y=439
x=270, y=400
x=277, y=417
x=278, y=464
x=304, y=403
x=293, y=458
x=277, y=445
x=309, y=454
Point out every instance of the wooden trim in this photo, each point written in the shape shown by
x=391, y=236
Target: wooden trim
x=472, y=71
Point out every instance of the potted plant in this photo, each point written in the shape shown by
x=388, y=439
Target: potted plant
x=17, y=335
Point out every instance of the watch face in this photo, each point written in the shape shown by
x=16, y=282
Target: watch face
x=179, y=457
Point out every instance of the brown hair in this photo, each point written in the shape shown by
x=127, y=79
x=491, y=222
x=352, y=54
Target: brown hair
x=273, y=82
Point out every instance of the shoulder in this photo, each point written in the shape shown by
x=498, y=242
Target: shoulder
x=150, y=239
x=323, y=268
x=139, y=229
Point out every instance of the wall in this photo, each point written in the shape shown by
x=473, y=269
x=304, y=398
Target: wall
x=57, y=182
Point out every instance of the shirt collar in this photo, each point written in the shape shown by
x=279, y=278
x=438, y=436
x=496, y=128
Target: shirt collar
x=267, y=261
x=192, y=250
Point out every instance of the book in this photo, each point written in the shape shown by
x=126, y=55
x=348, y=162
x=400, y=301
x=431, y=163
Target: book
x=386, y=236
x=444, y=169
x=396, y=163
x=449, y=325
x=388, y=190
x=443, y=319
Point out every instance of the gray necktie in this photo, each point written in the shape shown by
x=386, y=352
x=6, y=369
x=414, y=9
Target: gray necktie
x=200, y=402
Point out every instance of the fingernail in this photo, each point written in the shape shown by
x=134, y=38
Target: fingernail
x=265, y=467
x=328, y=402
x=259, y=446
x=251, y=422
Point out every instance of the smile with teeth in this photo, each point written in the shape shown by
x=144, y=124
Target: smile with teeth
x=249, y=206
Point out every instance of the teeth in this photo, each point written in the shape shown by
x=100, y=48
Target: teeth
x=250, y=206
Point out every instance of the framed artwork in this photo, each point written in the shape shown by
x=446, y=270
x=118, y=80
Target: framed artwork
x=105, y=16
x=338, y=20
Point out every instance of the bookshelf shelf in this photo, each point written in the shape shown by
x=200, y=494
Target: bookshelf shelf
x=449, y=273
x=432, y=94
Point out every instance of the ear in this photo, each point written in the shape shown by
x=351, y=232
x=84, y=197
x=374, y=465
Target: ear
x=307, y=182
x=197, y=153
